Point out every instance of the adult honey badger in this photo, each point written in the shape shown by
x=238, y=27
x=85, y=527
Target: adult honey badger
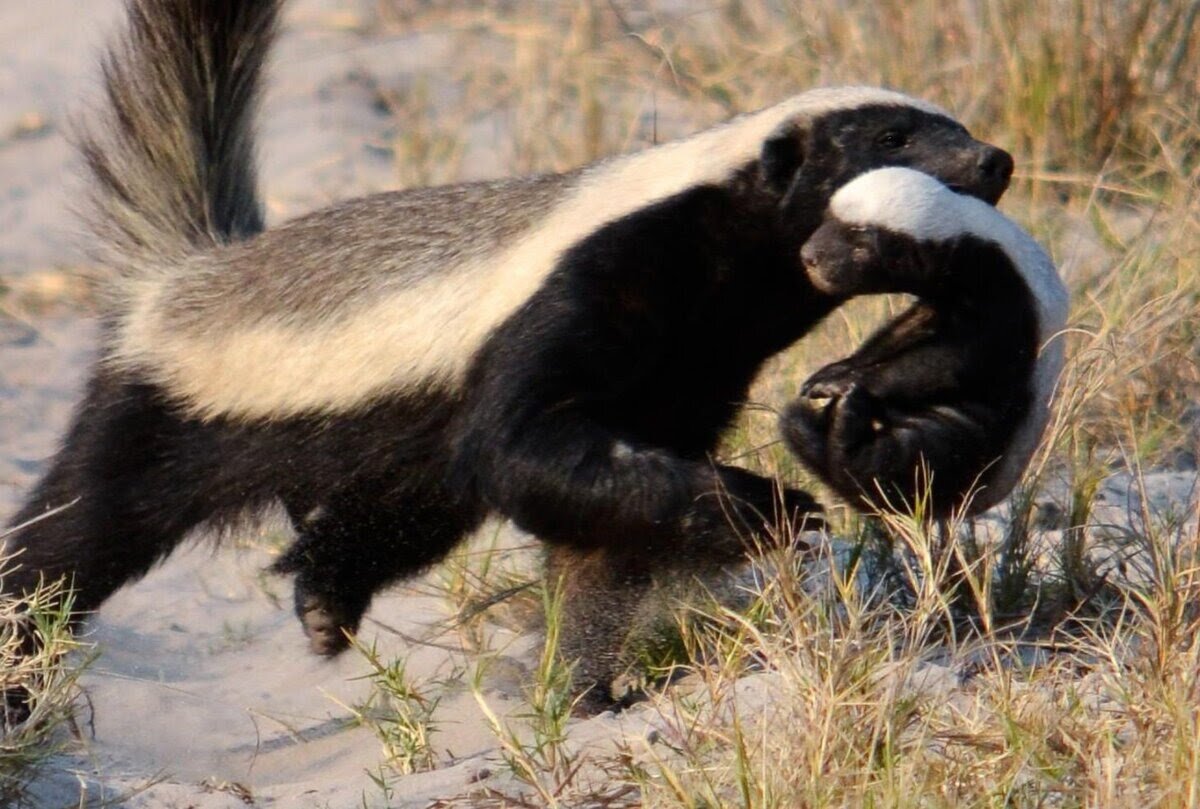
x=563, y=350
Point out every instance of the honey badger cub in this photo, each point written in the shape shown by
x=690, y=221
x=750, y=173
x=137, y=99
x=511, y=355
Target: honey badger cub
x=960, y=383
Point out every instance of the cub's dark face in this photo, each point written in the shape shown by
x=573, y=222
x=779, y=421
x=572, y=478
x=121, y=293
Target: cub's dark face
x=841, y=260
x=847, y=260
x=804, y=166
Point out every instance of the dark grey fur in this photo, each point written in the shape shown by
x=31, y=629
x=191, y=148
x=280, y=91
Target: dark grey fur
x=386, y=242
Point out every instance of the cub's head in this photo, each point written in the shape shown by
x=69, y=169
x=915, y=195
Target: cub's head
x=845, y=260
x=899, y=230
x=890, y=230
x=837, y=134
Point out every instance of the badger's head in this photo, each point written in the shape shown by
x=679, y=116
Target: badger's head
x=839, y=134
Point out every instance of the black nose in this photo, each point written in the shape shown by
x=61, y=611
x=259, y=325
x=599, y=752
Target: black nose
x=996, y=165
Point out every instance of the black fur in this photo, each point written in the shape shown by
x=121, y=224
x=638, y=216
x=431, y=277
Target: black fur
x=587, y=418
x=934, y=397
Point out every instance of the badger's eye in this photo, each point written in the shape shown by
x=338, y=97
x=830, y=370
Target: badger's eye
x=892, y=139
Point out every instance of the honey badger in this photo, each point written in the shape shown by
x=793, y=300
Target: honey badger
x=961, y=381
x=395, y=368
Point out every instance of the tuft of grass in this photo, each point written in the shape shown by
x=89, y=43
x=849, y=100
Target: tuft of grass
x=42, y=682
x=548, y=767
x=399, y=712
x=536, y=753
x=839, y=698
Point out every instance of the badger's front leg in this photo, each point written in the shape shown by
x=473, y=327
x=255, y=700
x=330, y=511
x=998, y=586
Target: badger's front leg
x=563, y=477
x=598, y=592
x=633, y=523
x=618, y=515
x=536, y=445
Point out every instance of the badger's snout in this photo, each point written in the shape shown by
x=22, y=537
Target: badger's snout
x=982, y=171
x=995, y=167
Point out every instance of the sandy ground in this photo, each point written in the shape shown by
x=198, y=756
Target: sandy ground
x=203, y=694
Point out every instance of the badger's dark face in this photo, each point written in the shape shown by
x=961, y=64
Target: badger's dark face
x=805, y=165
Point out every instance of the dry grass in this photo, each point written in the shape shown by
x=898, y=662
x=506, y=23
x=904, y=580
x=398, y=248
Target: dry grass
x=877, y=704
x=47, y=677
x=1051, y=656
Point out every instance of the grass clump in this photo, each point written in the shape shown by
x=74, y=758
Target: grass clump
x=537, y=753
x=828, y=694
x=41, y=686
x=399, y=712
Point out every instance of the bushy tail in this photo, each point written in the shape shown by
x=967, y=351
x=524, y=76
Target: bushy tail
x=171, y=157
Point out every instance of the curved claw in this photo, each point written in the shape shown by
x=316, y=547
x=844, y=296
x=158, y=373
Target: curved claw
x=830, y=382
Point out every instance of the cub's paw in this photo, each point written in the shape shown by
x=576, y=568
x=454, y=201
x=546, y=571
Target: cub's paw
x=801, y=512
x=831, y=382
x=805, y=427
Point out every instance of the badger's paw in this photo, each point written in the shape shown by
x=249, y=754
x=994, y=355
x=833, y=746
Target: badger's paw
x=328, y=624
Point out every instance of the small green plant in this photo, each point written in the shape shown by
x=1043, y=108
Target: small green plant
x=537, y=753
x=400, y=713
x=41, y=685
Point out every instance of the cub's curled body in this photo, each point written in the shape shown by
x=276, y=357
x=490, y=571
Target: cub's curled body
x=394, y=368
x=951, y=396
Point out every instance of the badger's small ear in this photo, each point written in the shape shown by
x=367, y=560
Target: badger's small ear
x=782, y=155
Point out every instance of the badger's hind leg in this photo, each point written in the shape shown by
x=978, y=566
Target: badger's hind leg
x=130, y=480
x=361, y=539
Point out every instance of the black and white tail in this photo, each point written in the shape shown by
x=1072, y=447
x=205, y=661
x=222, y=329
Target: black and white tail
x=171, y=158
x=172, y=155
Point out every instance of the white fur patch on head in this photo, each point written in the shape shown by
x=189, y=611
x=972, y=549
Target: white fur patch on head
x=423, y=333
x=906, y=201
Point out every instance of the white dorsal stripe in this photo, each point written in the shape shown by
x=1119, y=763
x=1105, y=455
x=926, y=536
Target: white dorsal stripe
x=909, y=202
x=426, y=334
